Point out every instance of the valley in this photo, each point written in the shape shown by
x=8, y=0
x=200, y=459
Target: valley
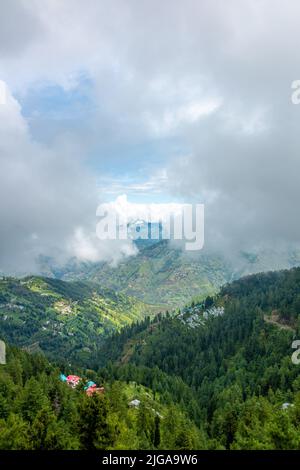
x=215, y=373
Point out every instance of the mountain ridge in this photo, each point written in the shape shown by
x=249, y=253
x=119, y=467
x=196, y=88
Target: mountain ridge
x=165, y=274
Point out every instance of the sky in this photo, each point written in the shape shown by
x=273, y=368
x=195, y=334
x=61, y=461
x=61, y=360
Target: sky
x=180, y=102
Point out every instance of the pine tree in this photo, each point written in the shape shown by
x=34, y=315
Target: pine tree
x=95, y=431
x=156, y=440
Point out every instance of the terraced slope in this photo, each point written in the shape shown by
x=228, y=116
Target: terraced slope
x=63, y=319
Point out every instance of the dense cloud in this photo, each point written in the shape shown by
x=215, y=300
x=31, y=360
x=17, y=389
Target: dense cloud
x=214, y=76
x=48, y=199
x=19, y=27
x=244, y=158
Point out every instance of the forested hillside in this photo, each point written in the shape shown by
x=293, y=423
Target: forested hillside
x=40, y=412
x=224, y=362
x=159, y=274
x=63, y=319
x=216, y=374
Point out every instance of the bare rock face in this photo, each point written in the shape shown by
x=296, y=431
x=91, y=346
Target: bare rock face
x=2, y=353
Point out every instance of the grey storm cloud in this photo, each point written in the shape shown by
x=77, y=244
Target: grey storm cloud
x=215, y=75
x=19, y=26
x=42, y=193
x=244, y=158
x=48, y=199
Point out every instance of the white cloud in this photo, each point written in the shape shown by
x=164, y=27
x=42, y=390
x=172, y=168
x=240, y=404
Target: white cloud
x=85, y=247
x=151, y=212
x=216, y=77
x=171, y=120
x=45, y=195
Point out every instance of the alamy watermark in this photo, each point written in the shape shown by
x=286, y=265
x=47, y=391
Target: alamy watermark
x=152, y=222
x=2, y=352
x=296, y=354
x=295, y=96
